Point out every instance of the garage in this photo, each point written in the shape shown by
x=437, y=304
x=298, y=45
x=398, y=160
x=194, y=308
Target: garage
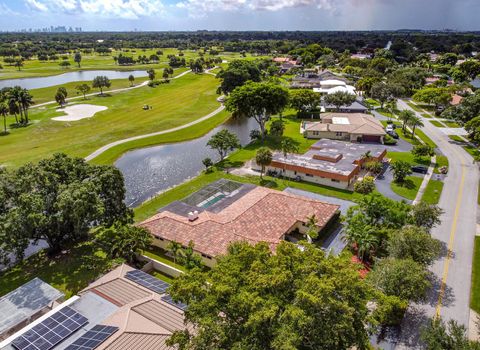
x=371, y=138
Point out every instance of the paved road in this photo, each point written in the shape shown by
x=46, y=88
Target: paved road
x=450, y=297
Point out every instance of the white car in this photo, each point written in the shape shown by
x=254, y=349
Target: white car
x=389, y=128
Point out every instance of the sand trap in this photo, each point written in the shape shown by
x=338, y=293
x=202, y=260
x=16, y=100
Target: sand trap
x=78, y=112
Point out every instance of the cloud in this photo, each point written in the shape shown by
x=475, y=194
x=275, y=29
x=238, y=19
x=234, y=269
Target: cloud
x=126, y=9
x=198, y=8
x=5, y=10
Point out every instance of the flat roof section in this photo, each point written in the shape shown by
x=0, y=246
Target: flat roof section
x=25, y=301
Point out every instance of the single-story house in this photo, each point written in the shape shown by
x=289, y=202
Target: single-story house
x=354, y=127
x=355, y=107
x=311, y=79
x=334, y=85
x=123, y=310
x=226, y=211
x=328, y=162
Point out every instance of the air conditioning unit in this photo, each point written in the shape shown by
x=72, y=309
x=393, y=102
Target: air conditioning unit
x=193, y=215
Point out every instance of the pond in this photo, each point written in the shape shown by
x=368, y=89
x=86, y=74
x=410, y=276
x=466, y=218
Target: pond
x=148, y=171
x=82, y=75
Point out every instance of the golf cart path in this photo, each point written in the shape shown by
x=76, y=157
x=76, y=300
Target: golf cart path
x=138, y=137
x=109, y=91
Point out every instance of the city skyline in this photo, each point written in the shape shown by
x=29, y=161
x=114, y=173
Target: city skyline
x=178, y=15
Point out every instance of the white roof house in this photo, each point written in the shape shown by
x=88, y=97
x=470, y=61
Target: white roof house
x=331, y=86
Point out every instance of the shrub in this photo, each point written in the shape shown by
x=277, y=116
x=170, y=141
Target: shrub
x=374, y=166
x=388, y=140
x=365, y=186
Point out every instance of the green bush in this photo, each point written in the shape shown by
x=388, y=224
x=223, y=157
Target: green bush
x=388, y=140
x=365, y=186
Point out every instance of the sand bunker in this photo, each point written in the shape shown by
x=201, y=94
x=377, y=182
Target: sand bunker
x=78, y=112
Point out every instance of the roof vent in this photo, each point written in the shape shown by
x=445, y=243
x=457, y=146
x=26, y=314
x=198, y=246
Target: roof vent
x=193, y=215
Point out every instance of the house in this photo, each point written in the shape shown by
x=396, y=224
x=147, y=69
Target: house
x=456, y=100
x=331, y=86
x=327, y=162
x=123, y=310
x=312, y=78
x=25, y=304
x=355, y=107
x=227, y=211
x=354, y=127
x=287, y=66
x=360, y=56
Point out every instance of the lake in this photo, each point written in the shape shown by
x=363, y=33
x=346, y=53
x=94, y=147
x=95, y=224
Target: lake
x=83, y=75
x=148, y=171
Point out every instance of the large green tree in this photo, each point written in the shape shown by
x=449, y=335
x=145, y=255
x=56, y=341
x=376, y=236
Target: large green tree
x=237, y=74
x=339, y=99
x=58, y=200
x=304, y=101
x=259, y=101
x=223, y=142
x=293, y=299
x=450, y=336
x=101, y=82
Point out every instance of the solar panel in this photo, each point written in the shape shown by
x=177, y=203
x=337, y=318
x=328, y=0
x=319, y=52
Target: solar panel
x=168, y=299
x=93, y=338
x=148, y=281
x=51, y=331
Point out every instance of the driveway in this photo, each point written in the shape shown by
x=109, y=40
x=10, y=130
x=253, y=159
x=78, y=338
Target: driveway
x=450, y=295
x=383, y=186
x=334, y=242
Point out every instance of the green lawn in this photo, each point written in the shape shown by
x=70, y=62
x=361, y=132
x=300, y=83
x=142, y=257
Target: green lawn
x=426, y=115
x=372, y=102
x=451, y=124
x=456, y=138
x=69, y=273
x=437, y=123
x=421, y=135
x=159, y=255
x=414, y=107
x=408, y=157
x=475, y=289
x=432, y=192
x=36, y=68
x=409, y=188
x=162, y=276
x=474, y=151
x=441, y=161
x=177, y=103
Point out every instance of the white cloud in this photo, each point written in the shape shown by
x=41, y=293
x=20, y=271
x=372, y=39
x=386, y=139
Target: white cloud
x=129, y=9
x=5, y=10
x=198, y=8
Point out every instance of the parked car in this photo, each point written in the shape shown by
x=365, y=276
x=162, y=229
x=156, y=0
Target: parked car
x=419, y=169
x=392, y=134
x=389, y=128
x=439, y=110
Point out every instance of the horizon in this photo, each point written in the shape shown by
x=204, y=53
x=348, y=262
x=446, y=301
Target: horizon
x=241, y=15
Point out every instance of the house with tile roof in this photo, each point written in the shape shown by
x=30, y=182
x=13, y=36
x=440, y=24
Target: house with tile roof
x=138, y=317
x=226, y=214
x=353, y=127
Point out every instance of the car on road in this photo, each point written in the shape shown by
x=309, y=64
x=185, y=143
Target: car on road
x=389, y=128
x=419, y=169
x=393, y=134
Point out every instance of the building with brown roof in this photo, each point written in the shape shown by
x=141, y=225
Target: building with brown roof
x=353, y=127
x=230, y=212
x=328, y=162
x=141, y=319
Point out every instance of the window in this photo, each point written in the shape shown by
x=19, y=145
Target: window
x=316, y=133
x=309, y=175
x=295, y=172
x=335, y=180
x=339, y=134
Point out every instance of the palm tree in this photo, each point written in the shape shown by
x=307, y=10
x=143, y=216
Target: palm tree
x=288, y=146
x=391, y=105
x=414, y=122
x=263, y=158
x=174, y=248
x=25, y=101
x=405, y=116
x=4, y=111
x=13, y=104
x=366, y=244
x=312, y=231
x=131, y=79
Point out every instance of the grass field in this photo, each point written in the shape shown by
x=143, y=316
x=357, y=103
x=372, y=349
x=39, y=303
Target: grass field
x=451, y=124
x=441, y=161
x=426, y=115
x=408, y=157
x=437, y=123
x=432, y=192
x=179, y=102
x=475, y=288
x=68, y=273
x=456, y=138
x=409, y=188
x=36, y=68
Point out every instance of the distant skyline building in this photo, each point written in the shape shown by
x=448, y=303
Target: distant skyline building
x=51, y=29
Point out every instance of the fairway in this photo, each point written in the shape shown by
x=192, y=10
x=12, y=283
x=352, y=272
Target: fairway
x=179, y=102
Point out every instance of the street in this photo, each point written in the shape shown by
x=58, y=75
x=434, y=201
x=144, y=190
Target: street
x=450, y=296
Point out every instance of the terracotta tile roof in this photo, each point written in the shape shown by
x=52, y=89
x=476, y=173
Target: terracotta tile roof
x=261, y=215
x=456, y=99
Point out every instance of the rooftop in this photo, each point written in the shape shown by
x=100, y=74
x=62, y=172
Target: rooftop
x=353, y=123
x=26, y=301
x=139, y=317
x=250, y=213
x=332, y=156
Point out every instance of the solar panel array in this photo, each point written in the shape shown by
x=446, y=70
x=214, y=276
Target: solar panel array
x=51, y=331
x=93, y=338
x=148, y=281
x=168, y=299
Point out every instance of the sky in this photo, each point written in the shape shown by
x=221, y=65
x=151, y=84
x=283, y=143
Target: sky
x=179, y=15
